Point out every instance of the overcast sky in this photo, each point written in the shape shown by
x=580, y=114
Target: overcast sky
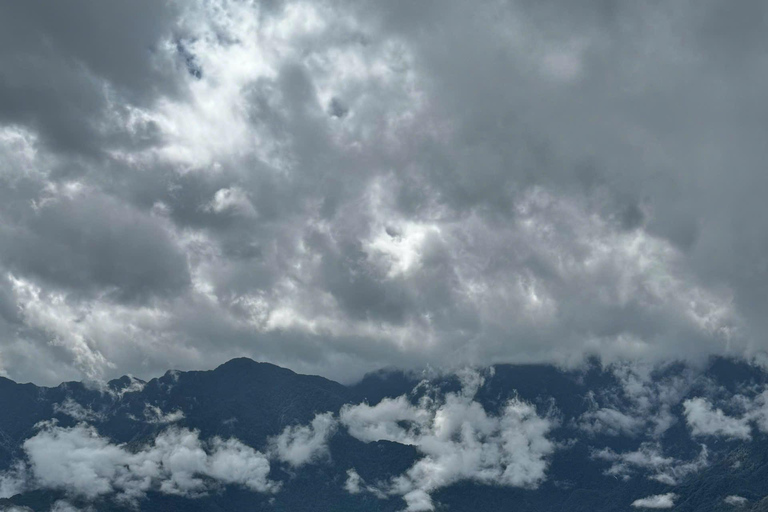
x=339, y=186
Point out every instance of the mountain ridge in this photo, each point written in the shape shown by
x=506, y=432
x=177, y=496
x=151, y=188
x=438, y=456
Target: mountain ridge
x=608, y=436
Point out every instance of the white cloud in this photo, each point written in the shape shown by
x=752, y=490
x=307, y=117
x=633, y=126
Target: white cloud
x=385, y=420
x=353, y=484
x=134, y=386
x=299, y=445
x=19, y=154
x=418, y=500
x=656, y=501
x=705, y=420
x=155, y=415
x=65, y=506
x=233, y=200
x=650, y=460
x=749, y=408
x=642, y=405
x=86, y=330
x=609, y=421
x=757, y=409
x=13, y=480
x=75, y=410
x=51, y=314
x=80, y=461
x=458, y=441
x=737, y=501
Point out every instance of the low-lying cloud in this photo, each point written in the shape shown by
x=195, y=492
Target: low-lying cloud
x=650, y=461
x=656, y=501
x=81, y=462
x=454, y=438
x=13, y=480
x=640, y=405
x=735, y=500
x=705, y=419
x=301, y=444
x=458, y=440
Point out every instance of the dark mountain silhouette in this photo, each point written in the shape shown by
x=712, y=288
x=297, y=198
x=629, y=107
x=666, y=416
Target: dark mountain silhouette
x=252, y=402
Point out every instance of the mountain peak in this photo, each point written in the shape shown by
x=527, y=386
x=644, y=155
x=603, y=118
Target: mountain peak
x=239, y=364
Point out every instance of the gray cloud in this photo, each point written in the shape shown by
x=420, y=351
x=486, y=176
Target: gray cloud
x=64, y=66
x=338, y=187
x=93, y=243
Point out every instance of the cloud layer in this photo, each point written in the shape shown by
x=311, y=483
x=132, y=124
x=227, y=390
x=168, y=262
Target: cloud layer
x=341, y=186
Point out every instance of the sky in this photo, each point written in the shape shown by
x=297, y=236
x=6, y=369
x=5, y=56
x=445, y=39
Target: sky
x=339, y=186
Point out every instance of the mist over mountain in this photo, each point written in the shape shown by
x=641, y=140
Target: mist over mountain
x=254, y=436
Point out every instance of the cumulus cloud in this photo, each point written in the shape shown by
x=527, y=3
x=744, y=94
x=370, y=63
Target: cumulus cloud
x=458, y=440
x=299, y=445
x=354, y=482
x=79, y=461
x=705, y=420
x=656, y=501
x=749, y=410
x=649, y=460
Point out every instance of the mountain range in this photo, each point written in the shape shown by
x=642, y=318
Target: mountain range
x=254, y=436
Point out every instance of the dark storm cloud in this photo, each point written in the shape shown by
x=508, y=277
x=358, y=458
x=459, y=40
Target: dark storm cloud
x=87, y=243
x=337, y=187
x=58, y=62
